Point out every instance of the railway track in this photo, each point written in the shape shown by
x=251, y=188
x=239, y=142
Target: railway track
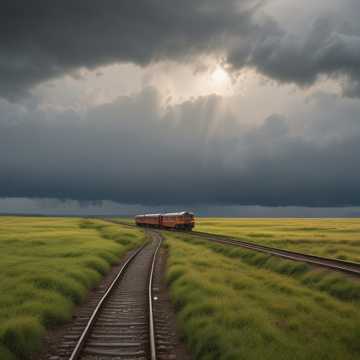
x=124, y=323
x=332, y=264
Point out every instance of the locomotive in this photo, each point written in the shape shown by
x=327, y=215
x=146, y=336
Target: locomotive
x=176, y=221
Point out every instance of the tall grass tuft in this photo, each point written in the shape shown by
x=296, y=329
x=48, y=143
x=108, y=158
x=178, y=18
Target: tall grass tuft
x=22, y=334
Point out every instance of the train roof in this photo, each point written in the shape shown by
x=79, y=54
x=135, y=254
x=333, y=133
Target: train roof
x=147, y=215
x=169, y=214
x=179, y=213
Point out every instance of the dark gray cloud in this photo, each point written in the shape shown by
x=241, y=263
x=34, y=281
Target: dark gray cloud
x=325, y=48
x=133, y=151
x=43, y=39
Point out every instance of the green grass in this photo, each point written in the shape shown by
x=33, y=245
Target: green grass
x=47, y=265
x=237, y=304
x=124, y=220
x=334, y=238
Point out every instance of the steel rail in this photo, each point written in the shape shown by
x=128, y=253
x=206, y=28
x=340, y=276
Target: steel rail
x=85, y=333
x=151, y=314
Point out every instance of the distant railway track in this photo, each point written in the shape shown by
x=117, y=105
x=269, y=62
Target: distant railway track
x=333, y=264
x=122, y=325
x=329, y=263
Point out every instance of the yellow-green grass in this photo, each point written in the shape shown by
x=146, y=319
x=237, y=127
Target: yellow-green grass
x=47, y=265
x=124, y=220
x=232, y=304
x=334, y=238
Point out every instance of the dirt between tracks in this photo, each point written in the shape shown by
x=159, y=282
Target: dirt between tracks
x=56, y=345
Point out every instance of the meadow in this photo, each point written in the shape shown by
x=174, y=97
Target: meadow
x=237, y=304
x=334, y=238
x=47, y=266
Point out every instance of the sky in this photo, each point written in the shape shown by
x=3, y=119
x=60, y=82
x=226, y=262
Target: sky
x=232, y=107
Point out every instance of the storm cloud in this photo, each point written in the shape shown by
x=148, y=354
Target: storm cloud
x=149, y=131
x=42, y=40
x=197, y=152
x=324, y=49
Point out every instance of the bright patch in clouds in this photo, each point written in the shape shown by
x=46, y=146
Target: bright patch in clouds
x=175, y=82
x=220, y=82
x=219, y=75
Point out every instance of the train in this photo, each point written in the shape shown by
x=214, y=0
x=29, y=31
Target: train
x=184, y=220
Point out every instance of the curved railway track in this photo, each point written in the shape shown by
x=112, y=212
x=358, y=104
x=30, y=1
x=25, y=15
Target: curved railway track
x=329, y=263
x=122, y=324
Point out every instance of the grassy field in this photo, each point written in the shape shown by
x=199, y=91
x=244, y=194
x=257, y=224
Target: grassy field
x=238, y=304
x=47, y=266
x=336, y=238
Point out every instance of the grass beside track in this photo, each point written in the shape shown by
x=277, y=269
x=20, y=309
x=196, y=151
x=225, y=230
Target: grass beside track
x=123, y=220
x=47, y=265
x=238, y=304
x=334, y=238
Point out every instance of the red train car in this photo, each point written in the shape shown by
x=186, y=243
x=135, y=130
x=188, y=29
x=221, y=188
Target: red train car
x=152, y=220
x=178, y=221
